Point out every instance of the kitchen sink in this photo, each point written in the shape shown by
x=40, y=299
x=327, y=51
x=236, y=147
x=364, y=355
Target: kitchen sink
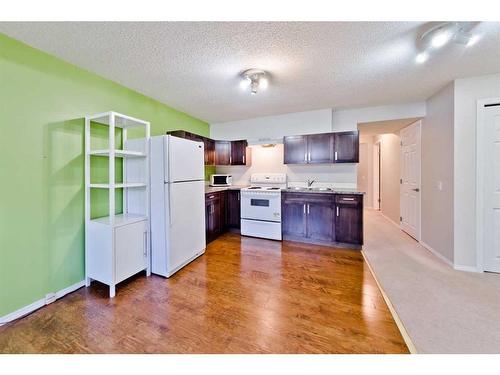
x=298, y=188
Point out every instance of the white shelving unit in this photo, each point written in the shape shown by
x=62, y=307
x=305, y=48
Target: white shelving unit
x=117, y=245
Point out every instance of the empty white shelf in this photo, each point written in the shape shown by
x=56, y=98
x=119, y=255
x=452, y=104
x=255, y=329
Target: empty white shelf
x=118, y=185
x=121, y=219
x=118, y=153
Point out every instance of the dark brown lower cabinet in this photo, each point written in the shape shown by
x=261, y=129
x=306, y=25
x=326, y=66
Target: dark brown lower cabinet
x=233, y=209
x=323, y=218
x=222, y=212
x=349, y=219
x=214, y=215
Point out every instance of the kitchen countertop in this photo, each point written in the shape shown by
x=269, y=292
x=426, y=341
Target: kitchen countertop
x=317, y=191
x=214, y=189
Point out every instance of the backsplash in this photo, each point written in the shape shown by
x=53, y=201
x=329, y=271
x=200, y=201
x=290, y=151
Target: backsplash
x=270, y=160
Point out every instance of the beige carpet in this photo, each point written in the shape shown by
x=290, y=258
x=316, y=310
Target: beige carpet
x=443, y=310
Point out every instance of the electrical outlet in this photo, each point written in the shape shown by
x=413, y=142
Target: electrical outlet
x=49, y=298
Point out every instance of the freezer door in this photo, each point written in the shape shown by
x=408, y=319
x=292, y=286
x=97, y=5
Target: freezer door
x=186, y=218
x=186, y=160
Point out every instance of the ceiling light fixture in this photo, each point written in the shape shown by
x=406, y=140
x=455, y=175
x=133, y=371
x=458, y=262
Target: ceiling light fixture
x=255, y=79
x=443, y=33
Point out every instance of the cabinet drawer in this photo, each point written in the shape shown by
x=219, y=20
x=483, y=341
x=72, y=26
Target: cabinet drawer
x=210, y=197
x=349, y=199
x=307, y=197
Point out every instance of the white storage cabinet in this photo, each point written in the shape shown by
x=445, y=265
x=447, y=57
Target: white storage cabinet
x=118, y=246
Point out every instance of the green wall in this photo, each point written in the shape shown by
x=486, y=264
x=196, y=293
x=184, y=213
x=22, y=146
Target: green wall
x=42, y=104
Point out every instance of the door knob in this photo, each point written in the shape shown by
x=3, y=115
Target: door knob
x=417, y=190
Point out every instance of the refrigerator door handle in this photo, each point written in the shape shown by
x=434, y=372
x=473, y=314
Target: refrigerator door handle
x=169, y=205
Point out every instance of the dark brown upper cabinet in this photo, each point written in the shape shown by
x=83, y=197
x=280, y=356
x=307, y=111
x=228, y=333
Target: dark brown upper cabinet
x=238, y=152
x=322, y=148
x=346, y=147
x=209, y=151
x=295, y=149
x=222, y=153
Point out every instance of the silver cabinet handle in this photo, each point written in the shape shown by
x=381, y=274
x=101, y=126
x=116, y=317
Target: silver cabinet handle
x=338, y=211
x=243, y=159
x=211, y=196
x=347, y=199
x=145, y=247
x=230, y=160
x=304, y=208
x=238, y=196
x=308, y=208
x=335, y=155
x=305, y=156
x=309, y=156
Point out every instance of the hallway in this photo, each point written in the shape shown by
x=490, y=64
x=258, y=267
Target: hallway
x=443, y=310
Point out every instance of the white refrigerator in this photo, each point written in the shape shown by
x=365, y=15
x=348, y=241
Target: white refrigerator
x=177, y=203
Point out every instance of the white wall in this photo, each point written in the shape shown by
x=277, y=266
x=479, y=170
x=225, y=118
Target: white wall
x=390, y=173
x=437, y=167
x=320, y=121
x=467, y=92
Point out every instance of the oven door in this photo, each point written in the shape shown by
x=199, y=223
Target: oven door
x=260, y=206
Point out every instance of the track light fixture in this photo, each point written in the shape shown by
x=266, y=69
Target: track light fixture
x=442, y=34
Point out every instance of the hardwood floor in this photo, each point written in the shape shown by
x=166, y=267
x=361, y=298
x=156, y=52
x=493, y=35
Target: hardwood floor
x=244, y=295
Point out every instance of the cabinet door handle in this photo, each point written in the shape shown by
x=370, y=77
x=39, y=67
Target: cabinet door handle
x=304, y=208
x=230, y=160
x=243, y=159
x=211, y=196
x=347, y=199
x=145, y=247
x=238, y=196
x=338, y=211
x=308, y=208
x=305, y=156
x=309, y=156
x=335, y=155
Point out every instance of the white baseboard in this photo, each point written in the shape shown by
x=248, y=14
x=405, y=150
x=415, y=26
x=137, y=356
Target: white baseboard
x=458, y=267
x=38, y=304
x=390, y=220
x=436, y=254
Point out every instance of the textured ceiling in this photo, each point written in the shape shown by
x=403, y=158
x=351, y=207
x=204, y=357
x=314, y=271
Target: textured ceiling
x=194, y=66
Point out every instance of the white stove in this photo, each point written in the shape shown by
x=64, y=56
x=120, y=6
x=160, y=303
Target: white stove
x=261, y=206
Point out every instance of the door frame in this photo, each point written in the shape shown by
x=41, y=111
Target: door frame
x=480, y=172
x=376, y=166
x=419, y=233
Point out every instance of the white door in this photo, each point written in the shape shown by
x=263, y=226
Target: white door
x=491, y=188
x=410, y=180
x=186, y=231
x=186, y=160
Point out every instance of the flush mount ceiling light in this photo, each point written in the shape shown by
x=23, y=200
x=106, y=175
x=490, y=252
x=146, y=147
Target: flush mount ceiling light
x=442, y=34
x=255, y=79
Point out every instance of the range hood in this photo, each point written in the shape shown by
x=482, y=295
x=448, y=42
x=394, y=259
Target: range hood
x=264, y=141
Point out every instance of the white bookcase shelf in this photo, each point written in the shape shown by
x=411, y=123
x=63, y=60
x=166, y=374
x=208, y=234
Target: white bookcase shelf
x=119, y=153
x=117, y=246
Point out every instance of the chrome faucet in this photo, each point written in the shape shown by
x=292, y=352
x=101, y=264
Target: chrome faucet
x=310, y=182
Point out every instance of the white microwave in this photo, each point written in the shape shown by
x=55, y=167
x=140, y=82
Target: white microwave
x=221, y=180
